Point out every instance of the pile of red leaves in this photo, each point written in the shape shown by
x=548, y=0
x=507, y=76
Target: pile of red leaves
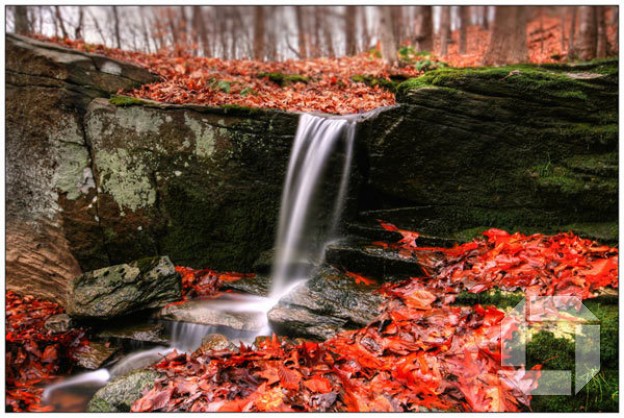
x=415, y=357
x=419, y=354
x=205, y=283
x=540, y=265
x=211, y=81
x=34, y=355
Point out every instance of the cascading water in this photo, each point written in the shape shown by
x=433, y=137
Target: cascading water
x=319, y=145
x=316, y=140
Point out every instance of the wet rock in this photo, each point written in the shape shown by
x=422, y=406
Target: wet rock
x=125, y=288
x=58, y=323
x=328, y=303
x=119, y=394
x=214, y=342
x=259, y=285
x=362, y=257
x=94, y=355
x=207, y=313
x=147, y=332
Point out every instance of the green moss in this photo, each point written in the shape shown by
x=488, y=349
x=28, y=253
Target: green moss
x=520, y=80
x=240, y=110
x=601, y=393
x=124, y=101
x=285, y=79
x=495, y=297
x=600, y=164
x=567, y=182
x=606, y=232
x=373, y=81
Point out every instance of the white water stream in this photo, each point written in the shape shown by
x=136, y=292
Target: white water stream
x=319, y=142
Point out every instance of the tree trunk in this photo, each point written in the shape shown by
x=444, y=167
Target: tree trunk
x=445, y=28
x=258, y=33
x=397, y=26
x=78, y=29
x=116, y=27
x=350, y=30
x=571, y=43
x=602, y=43
x=20, y=14
x=508, y=44
x=366, y=39
x=588, y=33
x=60, y=22
x=464, y=16
x=301, y=33
x=327, y=35
x=201, y=31
x=424, y=29
x=562, y=21
x=388, y=43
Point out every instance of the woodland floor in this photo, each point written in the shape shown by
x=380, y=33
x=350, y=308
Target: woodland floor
x=330, y=85
x=424, y=352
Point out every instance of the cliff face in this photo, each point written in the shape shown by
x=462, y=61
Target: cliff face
x=94, y=180
x=91, y=183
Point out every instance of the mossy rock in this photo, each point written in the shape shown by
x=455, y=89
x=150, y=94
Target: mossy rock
x=373, y=81
x=284, y=80
x=119, y=394
x=601, y=394
x=124, y=101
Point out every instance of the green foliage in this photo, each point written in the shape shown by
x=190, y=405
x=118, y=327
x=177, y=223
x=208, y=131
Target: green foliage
x=373, y=81
x=247, y=91
x=285, y=79
x=421, y=60
x=494, y=297
x=125, y=101
x=602, y=392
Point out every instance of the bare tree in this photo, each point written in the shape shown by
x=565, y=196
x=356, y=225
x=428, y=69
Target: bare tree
x=366, y=39
x=327, y=34
x=350, y=15
x=508, y=44
x=386, y=35
x=571, y=43
x=116, y=27
x=79, y=26
x=445, y=29
x=464, y=16
x=259, y=33
x=424, y=28
x=588, y=33
x=602, y=46
x=201, y=31
x=60, y=21
x=301, y=33
x=20, y=14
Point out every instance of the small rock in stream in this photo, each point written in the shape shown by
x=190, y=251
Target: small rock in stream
x=93, y=355
x=147, y=332
x=126, y=288
x=58, y=323
x=119, y=394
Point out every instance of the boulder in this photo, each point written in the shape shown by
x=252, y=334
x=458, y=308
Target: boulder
x=119, y=394
x=259, y=285
x=93, y=355
x=510, y=147
x=326, y=304
x=58, y=323
x=141, y=332
x=123, y=289
x=207, y=312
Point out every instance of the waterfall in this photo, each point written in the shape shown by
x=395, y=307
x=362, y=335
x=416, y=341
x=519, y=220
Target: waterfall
x=316, y=141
